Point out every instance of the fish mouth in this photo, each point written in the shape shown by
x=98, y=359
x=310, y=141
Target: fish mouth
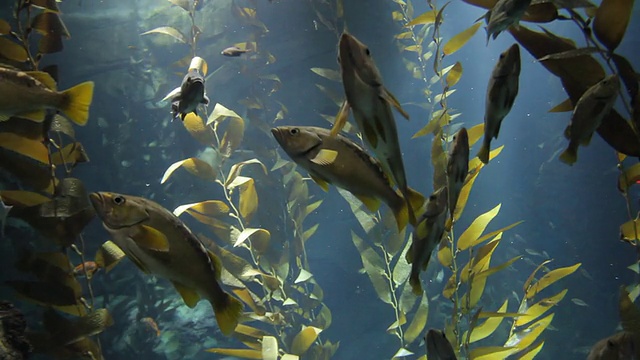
x=277, y=133
x=97, y=200
x=344, y=50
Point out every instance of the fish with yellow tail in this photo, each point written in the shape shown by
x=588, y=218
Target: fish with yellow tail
x=28, y=94
x=457, y=167
x=590, y=110
x=371, y=104
x=339, y=161
x=501, y=94
x=160, y=244
x=438, y=347
x=426, y=236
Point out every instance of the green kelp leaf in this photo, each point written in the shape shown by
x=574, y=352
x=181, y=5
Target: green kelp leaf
x=629, y=78
x=418, y=322
x=407, y=299
x=309, y=232
x=330, y=74
x=491, y=353
x=455, y=74
x=487, y=328
x=428, y=17
x=402, y=352
x=460, y=39
x=303, y=340
x=550, y=278
x=538, y=309
x=168, y=30
x=374, y=266
x=610, y=24
x=303, y=276
x=241, y=353
x=193, y=165
x=628, y=177
x=476, y=228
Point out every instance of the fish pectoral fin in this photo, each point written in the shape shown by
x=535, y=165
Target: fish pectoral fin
x=416, y=200
x=175, y=94
x=151, y=239
x=321, y=182
x=341, y=118
x=387, y=96
x=37, y=116
x=325, y=157
x=216, y=264
x=371, y=203
x=44, y=78
x=189, y=296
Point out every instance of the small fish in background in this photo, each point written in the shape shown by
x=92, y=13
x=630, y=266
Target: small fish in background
x=234, y=51
x=501, y=94
x=88, y=267
x=151, y=325
x=191, y=94
x=503, y=15
x=620, y=346
x=27, y=94
x=457, y=167
x=4, y=213
x=339, y=161
x=579, y=302
x=438, y=347
x=593, y=106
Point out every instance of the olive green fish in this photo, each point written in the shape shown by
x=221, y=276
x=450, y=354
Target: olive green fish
x=438, y=347
x=503, y=15
x=339, y=161
x=457, y=167
x=616, y=347
x=501, y=94
x=593, y=106
x=371, y=103
x=426, y=236
x=27, y=94
x=162, y=245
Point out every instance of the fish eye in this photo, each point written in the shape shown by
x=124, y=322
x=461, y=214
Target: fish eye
x=366, y=50
x=118, y=200
x=294, y=131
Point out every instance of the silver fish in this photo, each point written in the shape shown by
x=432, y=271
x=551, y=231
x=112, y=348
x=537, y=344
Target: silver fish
x=191, y=93
x=438, y=347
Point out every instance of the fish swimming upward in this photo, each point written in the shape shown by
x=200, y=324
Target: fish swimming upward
x=339, y=161
x=438, y=347
x=457, y=167
x=191, y=93
x=162, y=245
x=371, y=104
x=503, y=15
x=27, y=94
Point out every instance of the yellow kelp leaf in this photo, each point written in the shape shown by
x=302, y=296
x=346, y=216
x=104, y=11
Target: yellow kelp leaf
x=70, y=154
x=628, y=177
x=220, y=113
x=213, y=208
x=439, y=118
x=476, y=228
x=196, y=127
x=630, y=230
x=374, y=267
x=236, y=168
x=455, y=74
x=404, y=35
x=610, y=24
x=540, y=308
x=477, y=289
x=531, y=354
x=492, y=270
x=12, y=51
x=450, y=287
x=312, y=207
x=33, y=149
x=22, y=198
x=522, y=339
x=303, y=340
x=418, y=322
x=480, y=260
x=629, y=313
x=473, y=163
x=550, y=278
x=109, y=255
x=251, y=233
x=309, y=232
x=491, y=353
x=494, y=233
x=533, y=274
x=396, y=324
x=245, y=296
x=290, y=357
x=397, y=16
x=168, y=30
x=458, y=41
x=488, y=327
x=248, y=199
x=232, y=138
x=241, y=353
x=5, y=28
x=250, y=331
x=269, y=348
x=330, y=74
x=193, y=165
x=564, y=106
x=444, y=252
x=428, y=17
x=414, y=48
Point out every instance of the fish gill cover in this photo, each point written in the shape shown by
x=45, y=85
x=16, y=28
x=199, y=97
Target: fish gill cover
x=260, y=255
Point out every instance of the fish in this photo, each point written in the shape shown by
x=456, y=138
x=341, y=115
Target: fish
x=579, y=302
x=4, y=213
x=28, y=94
x=503, y=15
x=438, y=347
x=88, y=267
x=234, y=51
x=426, y=237
x=590, y=110
x=501, y=94
x=158, y=243
x=339, y=161
x=457, y=167
x=371, y=105
x=191, y=93
x=616, y=347
x=151, y=325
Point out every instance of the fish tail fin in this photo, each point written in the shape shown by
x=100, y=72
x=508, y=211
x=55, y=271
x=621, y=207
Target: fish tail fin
x=483, y=154
x=569, y=156
x=414, y=281
x=401, y=213
x=228, y=311
x=415, y=202
x=78, y=100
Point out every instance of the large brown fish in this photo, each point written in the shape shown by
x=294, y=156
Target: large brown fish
x=438, y=347
x=501, y=93
x=371, y=103
x=162, y=245
x=457, y=167
x=593, y=106
x=616, y=347
x=339, y=161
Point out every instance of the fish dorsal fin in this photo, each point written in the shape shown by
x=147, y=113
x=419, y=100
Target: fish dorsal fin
x=44, y=78
x=189, y=296
x=151, y=239
x=321, y=182
x=371, y=203
x=388, y=97
x=341, y=118
x=325, y=157
x=215, y=264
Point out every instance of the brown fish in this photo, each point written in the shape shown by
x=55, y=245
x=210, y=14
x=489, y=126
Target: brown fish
x=616, y=347
x=438, y=347
x=234, y=51
x=457, y=167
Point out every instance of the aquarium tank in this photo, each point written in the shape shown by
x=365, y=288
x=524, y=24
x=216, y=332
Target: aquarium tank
x=319, y=179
